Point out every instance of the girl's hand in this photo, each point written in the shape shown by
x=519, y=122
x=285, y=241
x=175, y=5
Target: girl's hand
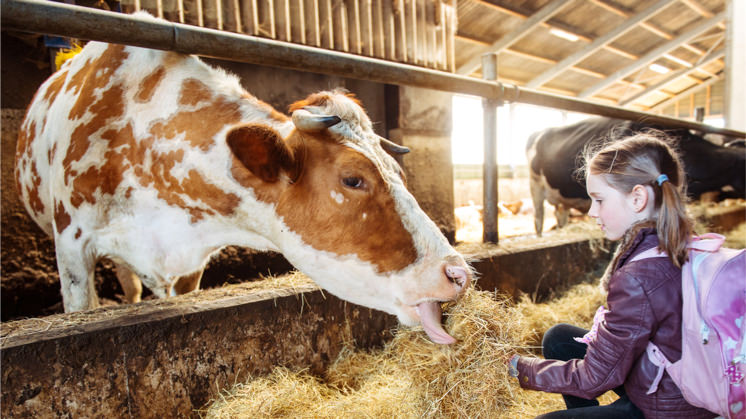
x=513, y=366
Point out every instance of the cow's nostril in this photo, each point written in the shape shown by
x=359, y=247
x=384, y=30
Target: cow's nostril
x=458, y=275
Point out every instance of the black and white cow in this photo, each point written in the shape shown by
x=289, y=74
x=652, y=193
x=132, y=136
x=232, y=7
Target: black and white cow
x=554, y=155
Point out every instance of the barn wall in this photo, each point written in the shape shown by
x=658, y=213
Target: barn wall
x=423, y=123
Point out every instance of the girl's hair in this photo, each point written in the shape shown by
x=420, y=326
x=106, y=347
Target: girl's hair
x=639, y=160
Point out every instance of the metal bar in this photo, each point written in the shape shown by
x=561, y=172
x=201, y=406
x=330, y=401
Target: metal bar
x=86, y=23
x=489, y=182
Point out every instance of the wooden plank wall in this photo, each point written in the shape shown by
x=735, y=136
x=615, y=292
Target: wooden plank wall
x=419, y=32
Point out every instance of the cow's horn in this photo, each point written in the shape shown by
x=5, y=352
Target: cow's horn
x=306, y=121
x=393, y=147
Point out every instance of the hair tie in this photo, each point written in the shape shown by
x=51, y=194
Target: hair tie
x=661, y=178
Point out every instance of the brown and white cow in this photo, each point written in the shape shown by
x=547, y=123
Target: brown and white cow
x=156, y=161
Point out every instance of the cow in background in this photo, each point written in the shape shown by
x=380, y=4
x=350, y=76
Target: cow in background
x=554, y=155
x=156, y=161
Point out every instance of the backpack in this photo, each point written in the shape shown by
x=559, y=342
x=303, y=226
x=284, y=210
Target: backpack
x=710, y=373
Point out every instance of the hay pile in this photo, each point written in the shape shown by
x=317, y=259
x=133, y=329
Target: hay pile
x=412, y=377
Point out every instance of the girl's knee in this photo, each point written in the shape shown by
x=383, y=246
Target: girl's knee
x=558, y=342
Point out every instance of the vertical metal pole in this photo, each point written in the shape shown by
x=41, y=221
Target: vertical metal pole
x=489, y=106
x=699, y=114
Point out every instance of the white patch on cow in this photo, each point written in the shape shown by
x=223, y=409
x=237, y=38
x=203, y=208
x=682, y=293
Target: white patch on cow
x=337, y=196
x=365, y=216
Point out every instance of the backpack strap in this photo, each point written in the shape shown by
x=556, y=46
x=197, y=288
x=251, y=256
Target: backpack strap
x=659, y=360
x=650, y=253
x=709, y=242
x=700, y=248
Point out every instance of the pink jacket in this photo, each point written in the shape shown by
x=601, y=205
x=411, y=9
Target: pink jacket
x=645, y=305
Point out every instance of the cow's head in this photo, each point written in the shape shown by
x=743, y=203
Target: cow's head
x=345, y=216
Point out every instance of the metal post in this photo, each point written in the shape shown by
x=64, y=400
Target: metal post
x=699, y=114
x=489, y=106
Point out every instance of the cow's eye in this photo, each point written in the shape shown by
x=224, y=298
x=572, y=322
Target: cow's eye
x=353, y=182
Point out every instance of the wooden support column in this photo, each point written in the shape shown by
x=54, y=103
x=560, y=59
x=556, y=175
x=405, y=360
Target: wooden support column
x=735, y=66
x=489, y=184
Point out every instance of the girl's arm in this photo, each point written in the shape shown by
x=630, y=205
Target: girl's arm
x=620, y=341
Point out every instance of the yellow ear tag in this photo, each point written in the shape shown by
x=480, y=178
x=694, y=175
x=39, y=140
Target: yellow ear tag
x=65, y=54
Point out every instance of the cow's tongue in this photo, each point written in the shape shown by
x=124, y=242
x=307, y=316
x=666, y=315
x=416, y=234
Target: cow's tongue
x=430, y=317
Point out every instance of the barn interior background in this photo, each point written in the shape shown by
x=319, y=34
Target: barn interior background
x=678, y=58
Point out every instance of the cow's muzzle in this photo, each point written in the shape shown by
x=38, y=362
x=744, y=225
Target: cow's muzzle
x=459, y=274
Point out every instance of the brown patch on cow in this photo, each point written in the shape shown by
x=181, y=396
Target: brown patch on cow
x=278, y=116
x=125, y=152
x=61, y=218
x=320, y=99
x=58, y=80
x=194, y=186
x=193, y=92
x=149, y=84
x=308, y=208
x=94, y=75
x=110, y=174
x=272, y=113
x=25, y=137
x=110, y=106
x=78, y=232
x=200, y=126
x=51, y=153
x=32, y=191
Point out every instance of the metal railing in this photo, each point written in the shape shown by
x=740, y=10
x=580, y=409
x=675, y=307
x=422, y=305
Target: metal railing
x=92, y=24
x=419, y=32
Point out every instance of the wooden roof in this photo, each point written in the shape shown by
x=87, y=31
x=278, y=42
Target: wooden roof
x=616, y=43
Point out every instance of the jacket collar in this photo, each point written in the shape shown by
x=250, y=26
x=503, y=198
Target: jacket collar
x=638, y=238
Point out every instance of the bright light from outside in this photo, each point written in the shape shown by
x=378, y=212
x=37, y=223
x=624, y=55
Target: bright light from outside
x=513, y=129
x=564, y=35
x=659, y=68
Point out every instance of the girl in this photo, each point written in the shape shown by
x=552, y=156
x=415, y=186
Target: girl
x=636, y=186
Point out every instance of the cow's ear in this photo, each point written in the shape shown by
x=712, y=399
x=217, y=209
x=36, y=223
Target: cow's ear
x=262, y=151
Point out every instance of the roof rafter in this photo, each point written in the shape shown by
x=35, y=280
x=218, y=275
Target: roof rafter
x=686, y=92
x=649, y=26
x=653, y=55
x=522, y=30
x=549, y=23
x=598, y=43
x=673, y=76
x=547, y=61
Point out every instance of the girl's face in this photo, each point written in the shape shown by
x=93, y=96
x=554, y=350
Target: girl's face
x=612, y=209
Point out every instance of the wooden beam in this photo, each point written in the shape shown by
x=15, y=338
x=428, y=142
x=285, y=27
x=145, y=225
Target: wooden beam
x=551, y=24
x=653, y=55
x=735, y=66
x=597, y=44
x=522, y=30
x=673, y=76
x=691, y=90
x=548, y=61
x=650, y=27
x=701, y=10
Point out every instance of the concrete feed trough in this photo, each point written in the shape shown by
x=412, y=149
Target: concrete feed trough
x=168, y=357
